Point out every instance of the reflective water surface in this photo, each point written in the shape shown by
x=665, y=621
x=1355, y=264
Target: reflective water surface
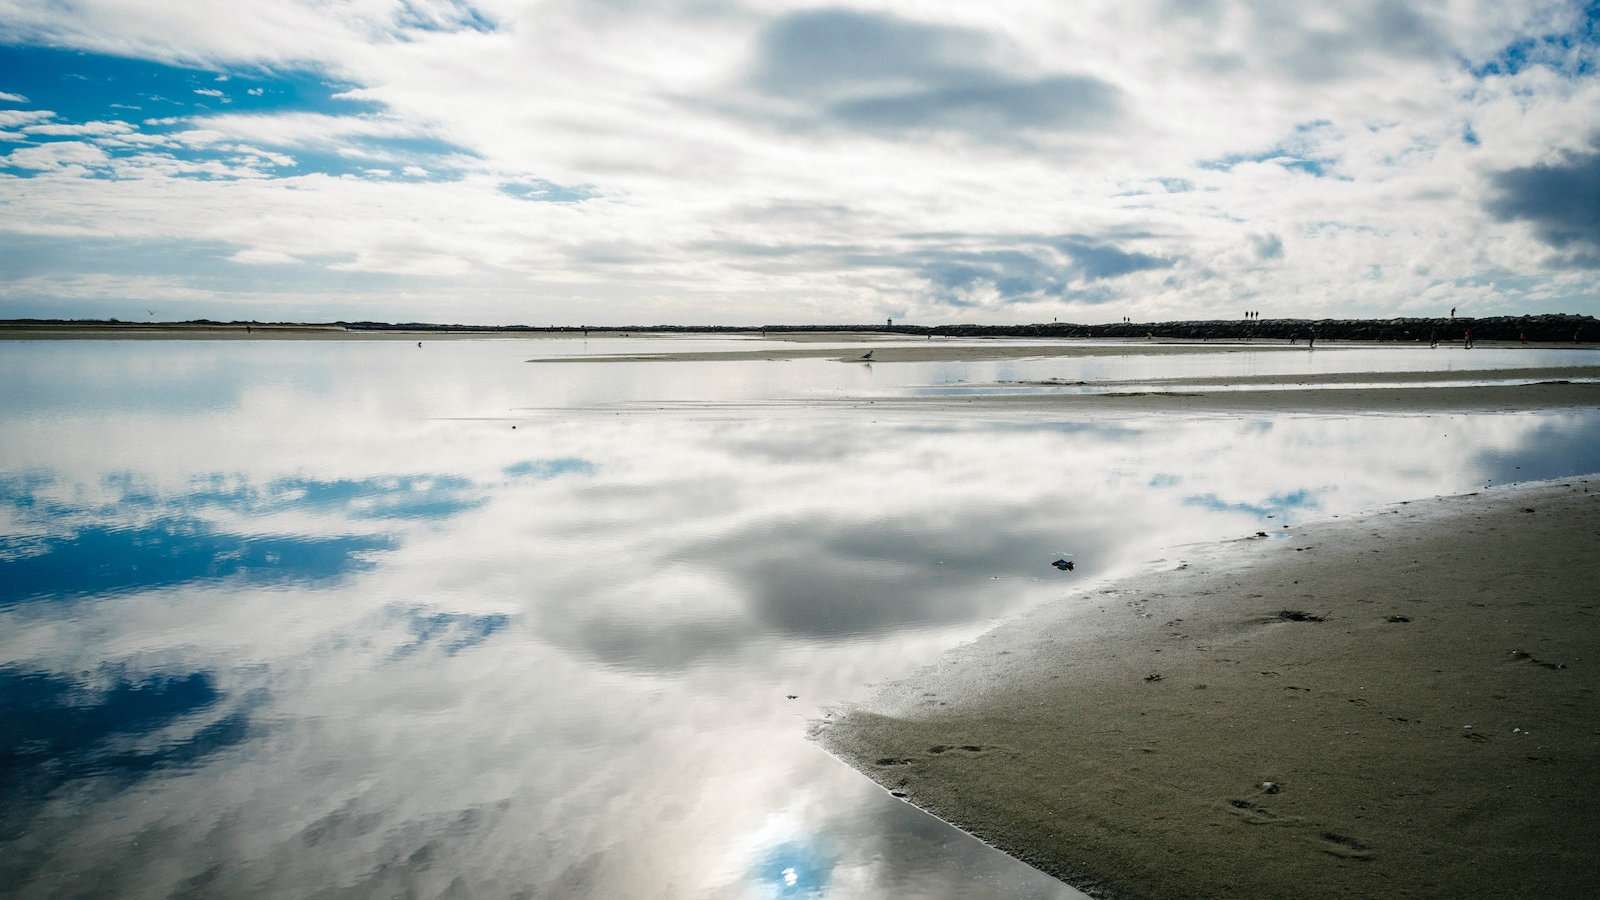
x=360, y=619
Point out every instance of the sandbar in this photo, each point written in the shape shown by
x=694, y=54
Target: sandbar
x=1553, y=372
x=1396, y=704
x=1554, y=394
x=931, y=351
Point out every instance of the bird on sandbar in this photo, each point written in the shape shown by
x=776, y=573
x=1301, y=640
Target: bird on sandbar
x=867, y=355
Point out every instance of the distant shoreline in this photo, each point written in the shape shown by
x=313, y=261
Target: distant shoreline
x=1542, y=329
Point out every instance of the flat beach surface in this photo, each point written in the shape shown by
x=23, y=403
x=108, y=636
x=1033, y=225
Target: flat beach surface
x=1547, y=373
x=1418, y=684
x=1554, y=394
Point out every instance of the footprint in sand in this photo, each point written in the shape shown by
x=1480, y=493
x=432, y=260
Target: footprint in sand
x=945, y=748
x=1257, y=815
x=1343, y=846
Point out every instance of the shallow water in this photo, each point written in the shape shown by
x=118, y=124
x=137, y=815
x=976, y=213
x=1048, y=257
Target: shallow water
x=302, y=619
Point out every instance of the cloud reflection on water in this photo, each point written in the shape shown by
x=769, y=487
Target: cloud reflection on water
x=562, y=668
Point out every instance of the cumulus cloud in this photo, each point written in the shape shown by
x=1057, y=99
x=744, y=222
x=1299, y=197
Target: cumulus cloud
x=879, y=72
x=12, y=98
x=1560, y=198
x=56, y=155
x=303, y=129
x=12, y=118
x=684, y=160
x=1267, y=246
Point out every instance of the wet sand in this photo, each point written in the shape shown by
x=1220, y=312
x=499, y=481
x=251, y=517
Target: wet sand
x=1417, y=683
x=1554, y=394
x=1528, y=373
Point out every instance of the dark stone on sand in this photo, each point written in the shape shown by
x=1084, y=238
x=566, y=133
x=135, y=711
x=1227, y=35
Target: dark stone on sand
x=1295, y=615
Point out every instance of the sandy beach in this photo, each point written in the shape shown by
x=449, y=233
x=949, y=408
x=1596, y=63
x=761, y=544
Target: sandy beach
x=1554, y=394
x=1396, y=704
x=1384, y=378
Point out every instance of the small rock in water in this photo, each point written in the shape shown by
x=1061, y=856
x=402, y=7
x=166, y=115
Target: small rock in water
x=1261, y=534
x=792, y=696
x=1399, y=619
x=1153, y=676
x=1064, y=565
x=1269, y=787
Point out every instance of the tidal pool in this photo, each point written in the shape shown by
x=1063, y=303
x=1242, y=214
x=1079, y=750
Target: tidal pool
x=354, y=619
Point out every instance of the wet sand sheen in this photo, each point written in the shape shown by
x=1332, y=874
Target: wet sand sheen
x=1417, y=685
x=1524, y=373
x=932, y=351
x=1554, y=394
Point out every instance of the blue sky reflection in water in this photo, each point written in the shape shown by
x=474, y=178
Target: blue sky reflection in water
x=350, y=630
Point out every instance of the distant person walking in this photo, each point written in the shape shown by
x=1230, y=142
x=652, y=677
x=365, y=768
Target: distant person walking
x=1452, y=312
x=1311, y=341
x=1433, y=339
x=1466, y=339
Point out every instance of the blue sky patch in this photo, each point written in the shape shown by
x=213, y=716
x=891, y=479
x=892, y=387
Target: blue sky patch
x=550, y=468
x=1553, y=50
x=90, y=86
x=547, y=191
x=130, y=109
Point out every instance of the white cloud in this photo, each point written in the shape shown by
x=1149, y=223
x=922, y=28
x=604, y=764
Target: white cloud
x=262, y=257
x=12, y=98
x=81, y=129
x=12, y=118
x=876, y=190
x=69, y=155
x=316, y=130
x=255, y=92
x=208, y=92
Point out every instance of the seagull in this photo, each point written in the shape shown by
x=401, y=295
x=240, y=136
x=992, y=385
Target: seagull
x=1065, y=565
x=867, y=355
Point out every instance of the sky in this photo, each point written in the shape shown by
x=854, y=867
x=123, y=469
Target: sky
x=689, y=161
